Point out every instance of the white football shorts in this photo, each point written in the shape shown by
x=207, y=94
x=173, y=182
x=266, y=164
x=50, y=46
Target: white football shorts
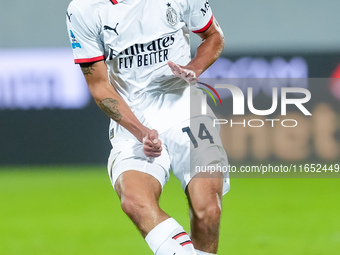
x=189, y=148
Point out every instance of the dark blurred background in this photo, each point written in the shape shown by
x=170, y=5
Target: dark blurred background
x=48, y=117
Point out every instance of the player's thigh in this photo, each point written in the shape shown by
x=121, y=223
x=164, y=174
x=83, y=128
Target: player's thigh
x=127, y=156
x=138, y=187
x=195, y=147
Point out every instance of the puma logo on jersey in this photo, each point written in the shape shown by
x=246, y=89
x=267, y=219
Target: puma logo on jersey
x=113, y=29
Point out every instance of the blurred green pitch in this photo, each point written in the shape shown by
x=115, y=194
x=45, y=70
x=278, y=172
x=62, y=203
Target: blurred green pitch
x=74, y=210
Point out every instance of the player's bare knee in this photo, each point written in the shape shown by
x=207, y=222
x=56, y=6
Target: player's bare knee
x=135, y=206
x=208, y=215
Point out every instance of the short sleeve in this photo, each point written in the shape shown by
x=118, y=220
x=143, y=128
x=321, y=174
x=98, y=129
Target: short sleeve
x=199, y=15
x=84, y=36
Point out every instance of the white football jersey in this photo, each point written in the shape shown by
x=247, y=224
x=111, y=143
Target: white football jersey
x=137, y=38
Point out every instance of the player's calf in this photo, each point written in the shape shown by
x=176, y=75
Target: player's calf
x=145, y=214
x=139, y=194
x=205, y=223
x=204, y=196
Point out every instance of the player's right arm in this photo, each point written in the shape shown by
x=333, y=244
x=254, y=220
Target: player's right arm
x=88, y=51
x=116, y=108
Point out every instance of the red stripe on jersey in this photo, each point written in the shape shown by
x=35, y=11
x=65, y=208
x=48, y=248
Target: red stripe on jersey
x=114, y=1
x=185, y=243
x=206, y=26
x=179, y=235
x=88, y=60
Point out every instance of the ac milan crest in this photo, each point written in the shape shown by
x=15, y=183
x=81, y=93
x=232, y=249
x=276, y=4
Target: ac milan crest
x=171, y=15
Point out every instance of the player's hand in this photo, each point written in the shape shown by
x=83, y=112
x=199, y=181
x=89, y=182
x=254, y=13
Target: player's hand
x=186, y=74
x=152, y=145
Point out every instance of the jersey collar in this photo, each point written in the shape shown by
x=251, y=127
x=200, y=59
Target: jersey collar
x=114, y=1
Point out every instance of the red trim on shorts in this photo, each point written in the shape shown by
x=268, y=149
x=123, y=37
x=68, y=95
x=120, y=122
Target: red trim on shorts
x=205, y=28
x=114, y=1
x=185, y=243
x=179, y=235
x=88, y=60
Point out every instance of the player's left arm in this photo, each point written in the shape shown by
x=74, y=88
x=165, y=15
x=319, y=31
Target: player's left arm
x=207, y=53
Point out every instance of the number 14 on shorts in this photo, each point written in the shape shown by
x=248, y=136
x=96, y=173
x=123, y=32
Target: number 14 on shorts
x=203, y=134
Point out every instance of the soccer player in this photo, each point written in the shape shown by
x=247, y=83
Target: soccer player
x=135, y=56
